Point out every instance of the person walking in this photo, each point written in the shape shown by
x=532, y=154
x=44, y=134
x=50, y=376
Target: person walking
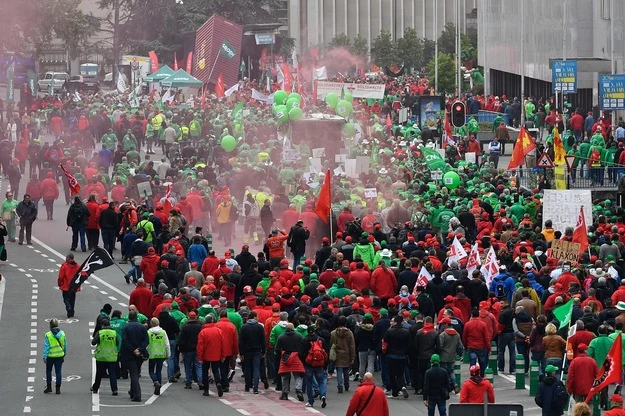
x=93, y=224
x=109, y=224
x=368, y=399
x=474, y=389
x=398, y=341
x=158, y=352
x=342, y=340
x=435, y=387
x=27, y=212
x=66, y=274
x=135, y=341
x=77, y=218
x=107, y=344
x=187, y=345
x=230, y=347
x=210, y=352
x=288, y=347
x=49, y=194
x=7, y=210
x=252, y=345
x=450, y=346
x=54, y=350
x=552, y=396
x=298, y=234
x=226, y=218
x=315, y=359
x=582, y=373
x=476, y=340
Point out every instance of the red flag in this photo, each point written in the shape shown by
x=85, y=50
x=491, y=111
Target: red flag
x=152, y=94
x=324, y=203
x=315, y=93
x=74, y=186
x=154, y=61
x=189, y=62
x=220, y=87
x=167, y=204
x=611, y=370
x=287, y=83
x=389, y=122
x=175, y=62
x=579, y=234
x=524, y=144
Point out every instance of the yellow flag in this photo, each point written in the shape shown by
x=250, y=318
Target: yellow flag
x=558, y=149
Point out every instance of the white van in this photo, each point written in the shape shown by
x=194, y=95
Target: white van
x=59, y=81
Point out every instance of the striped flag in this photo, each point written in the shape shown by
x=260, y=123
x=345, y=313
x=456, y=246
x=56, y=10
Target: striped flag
x=74, y=186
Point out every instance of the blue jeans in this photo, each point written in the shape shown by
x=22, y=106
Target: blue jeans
x=506, y=339
x=296, y=259
x=191, y=362
x=384, y=371
x=75, y=232
x=57, y=363
x=108, y=240
x=539, y=357
x=342, y=376
x=556, y=362
x=173, y=363
x=433, y=402
x=251, y=366
x=481, y=357
x=155, y=369
x=319, y=375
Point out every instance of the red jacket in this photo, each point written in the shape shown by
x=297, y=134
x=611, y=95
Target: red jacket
x=378, y=405
x=141, y=297
x=210, y=265
x=66, y=273
x=343, y=219
x=230, y=337
x=49, y=188
x=118, y=193
x=359, y=279
x=618, y=295
x=475, y=334
x=289, y=218
x=327, y=277
x=464, y=304
x=473, y=392
x=93, y=223
x=33, y=188
x=210, y=344
x=149, y=268
x=582, y=373
x=383, y=283
x=617, y=411
x=582, y=336
x=156, y=300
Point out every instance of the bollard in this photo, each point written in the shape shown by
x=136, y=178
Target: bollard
x=457, y=373
x=520, y=372
x=492, y=361
x=209, y=240
x=596, y=400
x=533, y=378
x=465, y=358
x=489, y=376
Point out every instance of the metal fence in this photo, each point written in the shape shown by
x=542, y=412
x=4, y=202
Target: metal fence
x=579, y=178
x=484, y=116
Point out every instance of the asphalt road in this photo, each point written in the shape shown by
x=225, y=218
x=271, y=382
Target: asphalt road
x=29, y=298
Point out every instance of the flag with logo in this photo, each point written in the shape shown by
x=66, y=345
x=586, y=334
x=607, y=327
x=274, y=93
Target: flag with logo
x=10, y=86
x=153, y=61
x=456, y=251
x=237, y=110
x=175, y=62
x=611, y=370
x=121, y=83
x=558, y=148
x=490, y=267
x=74, y=186
x=97, y=260
x=433, y=159
x=474, y=261
x=167, y=203
x=524, y=144
x=189, y=62
x=580, y=233
x=422, y=280
x=563, y=313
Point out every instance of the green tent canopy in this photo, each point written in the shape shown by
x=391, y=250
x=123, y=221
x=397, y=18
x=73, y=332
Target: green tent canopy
x=164, y=72
x=181, y=79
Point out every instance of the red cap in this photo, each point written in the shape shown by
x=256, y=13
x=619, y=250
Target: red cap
x=285, y=290
x=582, y=347
x=273, y=274
x=222, y=261
x=321, y=288
x=348, y=239
x=392, y=302
x=164, y=263
x=179, y=253
x=192, y=315
x=194, y=264
x=325, y=240
x=228, y=254
x=371, y=239
x=616, y=398
x=305, y=298
x=405, y=314
x=449, y=298
x=259, y=290
x=275, y=307
x=284, y=263
x=315, y=311
x=355, y=307
x=446, y=321
x=308, y=262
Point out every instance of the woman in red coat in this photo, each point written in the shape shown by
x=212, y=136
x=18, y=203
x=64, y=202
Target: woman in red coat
x=474, y=388
x=149, y=266
x=49, y=193
x=287, y=347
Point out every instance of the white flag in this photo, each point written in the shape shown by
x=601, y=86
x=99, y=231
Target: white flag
x=422, y=280
x=259, y=96
x=168, y=97
x=232, y=89
x=457, y=251
x=320, y=73
x=612, y=272
x=474, y=260
x=490, y=267
x=121, y=84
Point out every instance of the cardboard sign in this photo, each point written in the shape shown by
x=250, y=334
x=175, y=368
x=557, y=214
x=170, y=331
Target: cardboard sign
x=562, y=207
x=362, y=164
x=564, y=250
x=319, y=153
x=469, y=157
x=350, y=168
x=371, y=193
x=144, y=189
x=403, y=115
x=315, y=164
x=312, y=179
x=338, y=171
x=289, y=155
x=340, y=158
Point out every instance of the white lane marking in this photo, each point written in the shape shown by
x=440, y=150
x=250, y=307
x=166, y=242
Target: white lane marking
x=154, y=397
x=103, y=292
x=28, y=275
x=3, y=283
x=93, y=276
x=112, y=298
x=33, y=324
x=31, y=379
x=37, y=251
x=44, y=255
x=33, y=330
x=91, y=323
x=22, y=270
x=33, y=353
x=33, y=338
x=94, y=286
x=32, y=361
x=26, y=409
x=226, y=402
x=95, y=398
x=13, y=264
x=31, y=389
x=31, y=370
x=311, y=410
x=29, y=398
x=33, y=317
x=243, y=412
x=123, y=305
x=52, y=260
x=35, y=291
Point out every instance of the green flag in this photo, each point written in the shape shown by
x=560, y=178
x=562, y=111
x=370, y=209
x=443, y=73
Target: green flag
x=563, y=313
x=433, y=159
x=32, y=82
x=237, y=109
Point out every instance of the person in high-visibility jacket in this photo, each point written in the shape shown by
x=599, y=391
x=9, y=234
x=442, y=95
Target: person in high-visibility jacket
x=158, y=352
x=107, y=343
x=54, y=350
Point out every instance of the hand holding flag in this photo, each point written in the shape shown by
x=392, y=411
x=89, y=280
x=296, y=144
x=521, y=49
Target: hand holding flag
x=422, y=280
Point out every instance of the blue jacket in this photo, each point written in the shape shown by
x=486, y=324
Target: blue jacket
x=535, y=285
x=589, y=122
x=129, y=238
x=197, y=253
x=46, y=344
x=508, y=284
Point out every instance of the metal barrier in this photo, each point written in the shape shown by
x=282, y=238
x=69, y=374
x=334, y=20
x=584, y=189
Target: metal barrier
x=484, y=116
x=579, y=178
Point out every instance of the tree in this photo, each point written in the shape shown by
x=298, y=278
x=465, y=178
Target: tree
x=410, y=49
x=428, y=50
x=446, y=74
x=360, y=47
x=340, y=41
x=447, y=39
x=383, y=50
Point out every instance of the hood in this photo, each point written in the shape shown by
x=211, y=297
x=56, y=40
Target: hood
x=282, y=324
x=451, y=331
x=483, y=313
x=366, y=327
x=56, y=331
x=477, y=380
x=428, y=327
x=156, y=329
x=549, y=380
x=342, y=332
x=252, y=321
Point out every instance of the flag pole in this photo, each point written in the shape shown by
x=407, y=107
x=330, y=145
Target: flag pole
x=330, y=192
x=214, y=65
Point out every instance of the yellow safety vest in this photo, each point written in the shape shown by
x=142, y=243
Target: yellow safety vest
x=157, y=347
x=56, y=345
x=106, y=350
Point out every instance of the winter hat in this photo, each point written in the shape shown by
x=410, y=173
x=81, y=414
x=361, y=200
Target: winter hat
x=435, y=359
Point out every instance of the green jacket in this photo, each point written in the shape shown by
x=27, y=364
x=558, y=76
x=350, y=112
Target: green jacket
x=367, y=254
x=599, y=348
x=265, y=284
x=140, y=317
x=204, y=310
x=276, y=331
x=9, y=206
x=338, y=292
x=118, y=324
x=235, y=318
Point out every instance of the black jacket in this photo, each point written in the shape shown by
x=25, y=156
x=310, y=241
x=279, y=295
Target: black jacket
x=290, y=341
x=252, y=338
x=305, y=346
x=379, y=332
x=109, y=220
x=169, y=324
x=187, y=342
x=77, y=215
x=505, y=318
x=426, y=344
x=245, y=260
x=297, y=239
x=436, y=382
x=134, y=335
x=398, y=340
x=27, y=212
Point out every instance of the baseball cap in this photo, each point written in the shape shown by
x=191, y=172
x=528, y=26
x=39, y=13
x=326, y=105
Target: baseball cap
x=435, y=358
x=551, y=369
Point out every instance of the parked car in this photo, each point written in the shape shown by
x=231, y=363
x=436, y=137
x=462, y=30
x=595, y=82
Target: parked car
x=59, y=81
x=83, y=82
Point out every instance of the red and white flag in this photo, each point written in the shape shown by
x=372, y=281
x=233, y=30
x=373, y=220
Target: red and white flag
x=580, y=233
x=422, y=280
x=474, y=260
x=167, y=203
x=457, y=252
x=189, y=62
x=490, y=267
x=611, y=370
x=74, y=186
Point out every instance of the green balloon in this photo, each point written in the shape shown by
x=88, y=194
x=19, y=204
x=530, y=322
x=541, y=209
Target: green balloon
x=344, y=108
x=274, y=108
x=291, y=102
x=295, y=113
x=282, y=113
x=349, y=130
x=332, y=99
x=296, y=96
x=279, y=97
x=228, y=143
x=451, y=180
x=348, y=97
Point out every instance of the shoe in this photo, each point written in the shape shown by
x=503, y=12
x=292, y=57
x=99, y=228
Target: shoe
x=231, y=375
x=323, y=402
x=308, y=404
x=226, y=389
x=300, y=396
x=92, y=390
x=346, y=388
x=157, y=388
x=20, y=243
x=29, y=243
x=172, y=380
x=188, y=387
x=201, y=386
x=220, y=391
x=247, y=389
x=177, y=375
x=58, y=389
x=115, y=393
x=265, y=384
x=127, y=279
x=256, y=391
x=72, y=249
x=356, y=376
x=136, y=399
x=405, y=392
x=48, y=389
x=205, y=393
x=69, y=314
x=340, y=389
x=84, y=250
x=315, y=394
x=284, y=396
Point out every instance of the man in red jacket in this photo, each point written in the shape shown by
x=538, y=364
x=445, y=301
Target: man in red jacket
x=49, y=193
x=475, y=339
x=93, y=223
x=149, y=267
x=210, y=264
x=368, y=399
x=141, y=297
x=582, y=373
x=230, y=348
x=66, y=273
x=359, y=279
x=582, y=337
x=211, y=352
x=474, y=388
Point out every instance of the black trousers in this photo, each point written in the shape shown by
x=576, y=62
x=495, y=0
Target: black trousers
x=49, y=204
x=396, y=369
x=134, y=367
x=215, y=367
x=28, y=227
x=93, y=238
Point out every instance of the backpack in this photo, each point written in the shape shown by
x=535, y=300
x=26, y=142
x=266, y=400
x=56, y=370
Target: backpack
x=500, y=291
x=78, y=213
x=560, y=397
x=317, y=356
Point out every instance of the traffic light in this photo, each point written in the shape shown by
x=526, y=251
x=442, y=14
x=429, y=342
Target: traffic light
x=458, y=114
